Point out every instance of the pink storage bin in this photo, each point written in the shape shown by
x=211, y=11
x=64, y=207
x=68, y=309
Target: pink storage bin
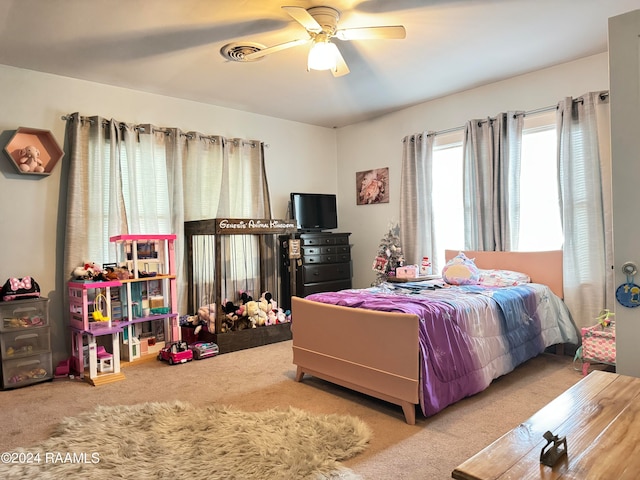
x=598, y=345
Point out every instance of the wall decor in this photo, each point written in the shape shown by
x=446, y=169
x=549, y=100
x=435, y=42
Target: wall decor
x=372, y=186
x=33, y=151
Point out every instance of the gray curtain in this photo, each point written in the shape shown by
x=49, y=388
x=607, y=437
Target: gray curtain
x=126, y=178
x=417, y=231
x=584, y=166
x=492, y=152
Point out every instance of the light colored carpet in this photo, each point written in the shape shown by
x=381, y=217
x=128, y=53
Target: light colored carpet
x=262, y=378
x=178, y=440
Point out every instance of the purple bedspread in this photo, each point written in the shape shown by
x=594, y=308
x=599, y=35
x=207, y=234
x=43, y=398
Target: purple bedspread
x=469, y=335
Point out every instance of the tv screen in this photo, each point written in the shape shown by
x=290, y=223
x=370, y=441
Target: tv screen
x=314, y=211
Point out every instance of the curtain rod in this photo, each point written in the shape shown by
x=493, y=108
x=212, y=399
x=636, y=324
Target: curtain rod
x=190, y=135
x=549, y=108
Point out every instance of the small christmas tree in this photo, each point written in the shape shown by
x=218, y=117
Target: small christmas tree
x=389, y=255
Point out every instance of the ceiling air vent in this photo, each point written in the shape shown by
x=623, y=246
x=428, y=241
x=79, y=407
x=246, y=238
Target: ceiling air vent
x=236, y=52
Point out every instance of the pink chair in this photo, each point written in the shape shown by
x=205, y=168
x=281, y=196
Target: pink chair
x=62, y=370
x=105, y=360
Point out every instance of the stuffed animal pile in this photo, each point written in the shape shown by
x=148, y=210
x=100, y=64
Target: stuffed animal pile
x=249, y=313
x=87, y=271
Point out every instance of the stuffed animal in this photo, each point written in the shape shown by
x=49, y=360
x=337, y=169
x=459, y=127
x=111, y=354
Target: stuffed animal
x=265, y=303
x=272, y=318
x=230, y=317
x=30, y=160
x=87, y=271
x=193, y=321
x=244, y=299
x=461, y=270
x=207, y=314
x=267, y=298
x=253, y=313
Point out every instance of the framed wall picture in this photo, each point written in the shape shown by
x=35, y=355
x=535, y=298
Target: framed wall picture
x=372, y=186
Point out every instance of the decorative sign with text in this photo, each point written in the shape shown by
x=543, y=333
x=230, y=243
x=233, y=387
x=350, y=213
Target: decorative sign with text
x=255, y=226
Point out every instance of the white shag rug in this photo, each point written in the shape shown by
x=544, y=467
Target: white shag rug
x=177, y=440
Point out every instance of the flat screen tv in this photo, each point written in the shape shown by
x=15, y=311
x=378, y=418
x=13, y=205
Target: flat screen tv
x=314, y=211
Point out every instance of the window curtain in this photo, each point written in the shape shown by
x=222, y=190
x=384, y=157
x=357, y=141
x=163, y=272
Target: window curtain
x=584, y=166
x=142, y=179
x=417, y=231
x=491, y=175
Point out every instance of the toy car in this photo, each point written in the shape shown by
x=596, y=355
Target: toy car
x=176, y=352
x=204, y=349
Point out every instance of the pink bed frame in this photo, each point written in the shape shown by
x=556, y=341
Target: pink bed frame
x=351, y=346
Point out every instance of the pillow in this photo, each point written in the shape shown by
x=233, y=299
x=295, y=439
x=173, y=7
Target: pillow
x=502, y=278
x=461, y=270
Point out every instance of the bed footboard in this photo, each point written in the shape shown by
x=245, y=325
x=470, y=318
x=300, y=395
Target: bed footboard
x=375, y=353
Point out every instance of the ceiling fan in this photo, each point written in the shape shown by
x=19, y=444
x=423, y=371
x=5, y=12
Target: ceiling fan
x=321, y=24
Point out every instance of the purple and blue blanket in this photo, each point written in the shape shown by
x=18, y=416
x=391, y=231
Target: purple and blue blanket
x=469, y=335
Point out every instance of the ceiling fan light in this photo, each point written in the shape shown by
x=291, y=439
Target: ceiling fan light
x=323, y=56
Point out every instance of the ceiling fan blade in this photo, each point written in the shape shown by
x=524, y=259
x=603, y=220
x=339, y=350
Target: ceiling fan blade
x=303, y=17
x=341, y=66
x=365, y=33
x=275, y=48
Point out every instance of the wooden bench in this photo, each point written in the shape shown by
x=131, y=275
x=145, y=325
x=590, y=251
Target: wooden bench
x=599, y=418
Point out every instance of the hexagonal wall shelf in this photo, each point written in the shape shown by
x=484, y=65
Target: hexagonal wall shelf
x=18, y=150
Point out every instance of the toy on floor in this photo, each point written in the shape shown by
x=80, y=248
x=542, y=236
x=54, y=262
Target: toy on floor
x=176, y=352
x=204, y=350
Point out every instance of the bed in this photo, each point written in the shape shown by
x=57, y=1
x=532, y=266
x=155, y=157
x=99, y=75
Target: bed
x=414, y=344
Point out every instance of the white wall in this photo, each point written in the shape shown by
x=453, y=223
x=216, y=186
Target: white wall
x=299, y=158
x=378, y=143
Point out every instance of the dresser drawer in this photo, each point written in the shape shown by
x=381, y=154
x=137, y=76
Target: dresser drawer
x=317, y=240
x=326, y=272
x=308, y=251
x=323, y=254
x=317, y=259
x=342, y=249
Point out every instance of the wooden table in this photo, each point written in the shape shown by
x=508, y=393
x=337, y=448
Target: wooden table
x=600, y=418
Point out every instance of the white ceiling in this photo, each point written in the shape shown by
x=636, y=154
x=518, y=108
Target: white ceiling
x=172, y=47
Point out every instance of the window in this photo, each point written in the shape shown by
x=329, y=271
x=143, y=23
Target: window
x=540, y=223
x=448, y=205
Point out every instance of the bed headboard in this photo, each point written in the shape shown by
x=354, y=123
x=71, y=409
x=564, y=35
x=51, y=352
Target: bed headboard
x=542, y=267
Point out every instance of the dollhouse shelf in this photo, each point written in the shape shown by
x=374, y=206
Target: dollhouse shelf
x=43, y=140
x=142, y=311
x=151, y=260
x=85, y=332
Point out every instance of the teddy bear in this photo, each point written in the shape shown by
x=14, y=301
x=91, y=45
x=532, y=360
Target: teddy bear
x=30, y=160
x=253, y=313
x=207, y=314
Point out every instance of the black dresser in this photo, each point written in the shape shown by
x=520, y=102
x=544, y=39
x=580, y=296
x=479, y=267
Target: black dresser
x=324, y=265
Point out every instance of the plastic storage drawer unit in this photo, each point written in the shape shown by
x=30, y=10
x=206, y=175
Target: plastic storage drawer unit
x=25, y=342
